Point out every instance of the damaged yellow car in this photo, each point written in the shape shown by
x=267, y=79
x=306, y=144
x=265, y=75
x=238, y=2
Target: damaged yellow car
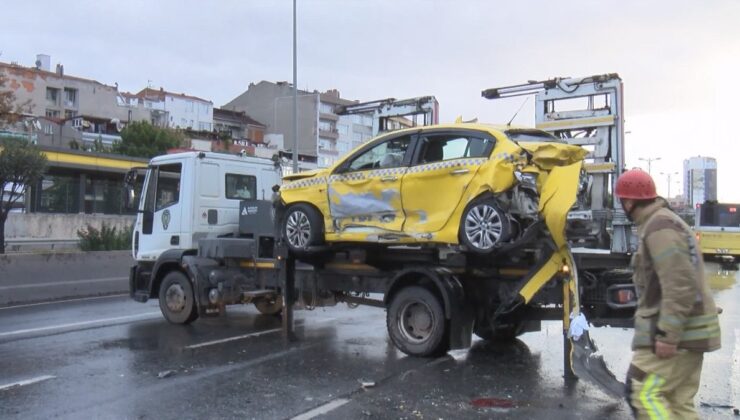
x=473, y=185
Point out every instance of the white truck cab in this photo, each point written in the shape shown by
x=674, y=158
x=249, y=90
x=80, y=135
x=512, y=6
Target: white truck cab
x=192, y=195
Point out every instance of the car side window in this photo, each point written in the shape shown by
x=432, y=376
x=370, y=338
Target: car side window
x=388, y=154
x=436, y=148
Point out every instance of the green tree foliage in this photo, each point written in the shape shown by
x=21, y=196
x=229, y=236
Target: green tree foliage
x=145, y=140
x=21, y=165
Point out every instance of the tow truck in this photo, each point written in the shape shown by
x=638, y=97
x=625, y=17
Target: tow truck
x=200, y=245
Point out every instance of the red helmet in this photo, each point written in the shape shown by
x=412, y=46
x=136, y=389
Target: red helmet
x=636, y=184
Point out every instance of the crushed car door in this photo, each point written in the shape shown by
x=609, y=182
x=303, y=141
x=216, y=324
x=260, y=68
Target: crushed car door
x=365, y=192
x=444, y=163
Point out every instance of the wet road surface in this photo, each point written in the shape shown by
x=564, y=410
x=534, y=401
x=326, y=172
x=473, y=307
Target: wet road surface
x=115, y=358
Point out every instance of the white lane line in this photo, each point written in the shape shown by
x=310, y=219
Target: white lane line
x=63, y=283
x=322, y=409
x=26, y=382
x=79, y=324
x=735, y=381
x=226, y=340
x=241, y=337
x=64, y=301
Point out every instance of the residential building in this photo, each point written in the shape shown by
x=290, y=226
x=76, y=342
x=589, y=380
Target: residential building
x=323, y=136
x=184, y=111
x=61, y=107
x=244, y=132
x=700, y=180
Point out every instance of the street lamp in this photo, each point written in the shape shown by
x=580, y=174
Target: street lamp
x=649, y=162
x=295, y=92
x=668, y=175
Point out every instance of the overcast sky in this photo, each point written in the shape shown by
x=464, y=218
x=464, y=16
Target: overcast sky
x=679, y=60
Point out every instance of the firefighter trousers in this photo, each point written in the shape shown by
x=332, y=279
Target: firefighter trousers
x=664, y=388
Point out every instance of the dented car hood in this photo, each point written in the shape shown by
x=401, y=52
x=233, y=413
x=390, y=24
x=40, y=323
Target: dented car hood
x=550, y=155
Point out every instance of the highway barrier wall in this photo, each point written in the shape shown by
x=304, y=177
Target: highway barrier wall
x=30, y=278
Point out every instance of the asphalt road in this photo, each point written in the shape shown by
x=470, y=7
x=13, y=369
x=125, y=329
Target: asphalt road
x=110, y=357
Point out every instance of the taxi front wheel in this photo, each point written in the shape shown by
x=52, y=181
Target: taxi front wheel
x=302, y=228
x=484, y=226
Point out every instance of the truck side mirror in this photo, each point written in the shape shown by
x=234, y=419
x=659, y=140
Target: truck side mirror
x=129, y=189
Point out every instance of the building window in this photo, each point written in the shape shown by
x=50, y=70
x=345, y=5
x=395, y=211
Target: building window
x=69, y=113
x=191, y=106
x=52, y=95
x=204, y=126
x=70, y=97
x=325, y=126
x=52, y=113
x=326, y=108
x=48, y=129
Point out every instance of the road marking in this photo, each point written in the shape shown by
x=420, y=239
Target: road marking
x=63, y=283
x=241, y=337
x=735, y=381
x=78, y=324
x=64, y=301
x=322, y=409
x=226, y=340
x=26, y=382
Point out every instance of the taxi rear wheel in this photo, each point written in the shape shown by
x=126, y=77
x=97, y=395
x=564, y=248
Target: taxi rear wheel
x=484, y=226
x=302, y=228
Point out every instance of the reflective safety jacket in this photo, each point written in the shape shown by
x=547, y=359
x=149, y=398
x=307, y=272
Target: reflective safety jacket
x=674, y=305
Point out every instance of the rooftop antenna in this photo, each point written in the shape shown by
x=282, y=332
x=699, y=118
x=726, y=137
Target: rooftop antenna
x=517, y=111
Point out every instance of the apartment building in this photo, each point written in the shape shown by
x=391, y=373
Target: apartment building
x=181, y=110
x=323, y=136
x=61, y=108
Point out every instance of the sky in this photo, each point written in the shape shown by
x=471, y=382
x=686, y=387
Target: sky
x=679, y=60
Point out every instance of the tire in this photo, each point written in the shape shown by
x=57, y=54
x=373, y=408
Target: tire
x=501, y=333
x=484, y=226
x=416, y=322
x=176, y=299
x=267, y=306
x=302, y=227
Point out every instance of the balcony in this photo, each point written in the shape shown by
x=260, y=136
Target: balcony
x=328, y=117
x=329, y=134
x=107, y=139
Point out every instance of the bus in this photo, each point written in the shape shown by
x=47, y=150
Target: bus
x=717, y=228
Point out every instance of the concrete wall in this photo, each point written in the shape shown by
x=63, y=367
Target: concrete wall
x=58, y=226
x=26, y=278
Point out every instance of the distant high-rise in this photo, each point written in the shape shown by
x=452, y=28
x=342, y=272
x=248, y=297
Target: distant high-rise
x=700, y=180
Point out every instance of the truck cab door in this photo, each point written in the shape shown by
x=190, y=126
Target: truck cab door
x=365, y=192
x=158, y=225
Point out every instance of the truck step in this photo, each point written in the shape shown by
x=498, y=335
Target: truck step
x=259, y=293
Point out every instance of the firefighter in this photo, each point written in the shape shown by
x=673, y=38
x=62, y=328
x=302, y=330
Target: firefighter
x=676, y=320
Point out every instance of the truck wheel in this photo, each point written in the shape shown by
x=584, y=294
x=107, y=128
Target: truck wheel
x=176, y=299
x=416, y=322
x=484, y=226
x=506, y=332
x=269, y=306
x=302, y=228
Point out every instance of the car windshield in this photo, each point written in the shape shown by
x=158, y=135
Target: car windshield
x=532, y=136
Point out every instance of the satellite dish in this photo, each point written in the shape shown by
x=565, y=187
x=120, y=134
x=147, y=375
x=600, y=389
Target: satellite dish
x=119, y=125
x=37, y=125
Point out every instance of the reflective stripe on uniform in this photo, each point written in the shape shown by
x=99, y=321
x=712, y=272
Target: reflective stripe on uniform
x=649, y=397
x=701, y=334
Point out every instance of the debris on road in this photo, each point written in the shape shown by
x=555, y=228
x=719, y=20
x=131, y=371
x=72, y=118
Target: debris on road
x=489, y=402
x=367, y=384
x=166, y=374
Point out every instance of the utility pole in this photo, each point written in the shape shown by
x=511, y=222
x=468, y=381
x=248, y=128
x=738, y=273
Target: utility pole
x=669, y=175
x=295, y=92
x=649, y=162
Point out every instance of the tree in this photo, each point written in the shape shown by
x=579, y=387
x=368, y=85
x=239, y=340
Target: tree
x=10, y=110
x=21, y=164
x=145, y=140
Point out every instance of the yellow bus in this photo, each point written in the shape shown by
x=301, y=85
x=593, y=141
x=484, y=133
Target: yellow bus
x=717, y=228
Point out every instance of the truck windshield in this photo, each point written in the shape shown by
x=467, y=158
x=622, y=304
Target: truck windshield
x=519, y=135
x=719, y=215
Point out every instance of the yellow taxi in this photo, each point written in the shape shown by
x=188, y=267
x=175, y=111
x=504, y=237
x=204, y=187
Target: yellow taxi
x=474, y=185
